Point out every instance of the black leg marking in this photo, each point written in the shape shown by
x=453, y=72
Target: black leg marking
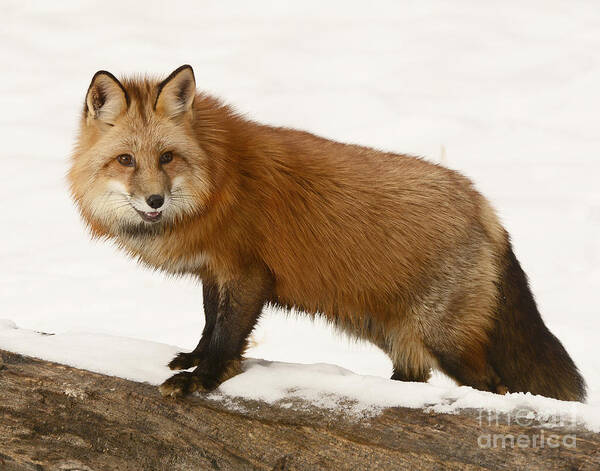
x=240, y=303
x=184, y=360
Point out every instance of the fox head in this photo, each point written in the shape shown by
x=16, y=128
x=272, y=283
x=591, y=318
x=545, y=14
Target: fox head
x=138, y=166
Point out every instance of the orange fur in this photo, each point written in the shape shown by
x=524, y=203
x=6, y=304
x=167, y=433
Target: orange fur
x=388, y=247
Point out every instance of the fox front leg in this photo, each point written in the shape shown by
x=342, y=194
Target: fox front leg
x=183, y=360
x=239, y=306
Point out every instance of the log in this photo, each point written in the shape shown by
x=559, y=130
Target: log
x=55, y=417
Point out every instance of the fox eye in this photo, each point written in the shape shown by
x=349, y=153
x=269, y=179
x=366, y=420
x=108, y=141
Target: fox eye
x=126, y=160
x=166, y=157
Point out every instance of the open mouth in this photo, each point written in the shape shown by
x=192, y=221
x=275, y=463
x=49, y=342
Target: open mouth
x=150, y=216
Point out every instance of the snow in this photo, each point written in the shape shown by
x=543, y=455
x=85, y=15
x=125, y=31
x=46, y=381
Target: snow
x=319, y=384
x=507, y=94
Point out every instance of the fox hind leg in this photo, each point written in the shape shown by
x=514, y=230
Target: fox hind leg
x=401, y=374
x=410, y=357
x=469, y=366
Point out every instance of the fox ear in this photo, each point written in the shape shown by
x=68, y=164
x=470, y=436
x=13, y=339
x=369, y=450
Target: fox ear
x=176, y=93
x=106, y=98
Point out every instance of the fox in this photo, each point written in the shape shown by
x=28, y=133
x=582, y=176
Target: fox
x=389, y=248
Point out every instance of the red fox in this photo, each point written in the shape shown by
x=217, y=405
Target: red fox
x=389, y=248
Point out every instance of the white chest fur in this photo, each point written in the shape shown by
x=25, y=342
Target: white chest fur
x=156, y=253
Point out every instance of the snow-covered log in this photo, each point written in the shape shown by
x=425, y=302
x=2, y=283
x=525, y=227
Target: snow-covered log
x=55, y=417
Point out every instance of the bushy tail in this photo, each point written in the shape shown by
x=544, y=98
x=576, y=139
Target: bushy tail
x=524, y=353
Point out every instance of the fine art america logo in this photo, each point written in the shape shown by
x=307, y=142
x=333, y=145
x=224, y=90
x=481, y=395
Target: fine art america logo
x=539, y=433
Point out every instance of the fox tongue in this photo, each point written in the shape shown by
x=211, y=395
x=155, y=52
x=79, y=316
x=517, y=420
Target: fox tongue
x=152, y=214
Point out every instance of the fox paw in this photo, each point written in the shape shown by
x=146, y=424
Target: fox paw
x=183, y=361
x=185, y=383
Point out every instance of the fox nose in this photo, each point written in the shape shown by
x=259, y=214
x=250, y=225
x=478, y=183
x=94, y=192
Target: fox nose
x=155, y=201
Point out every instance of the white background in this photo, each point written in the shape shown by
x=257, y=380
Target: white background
x=506, y=92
